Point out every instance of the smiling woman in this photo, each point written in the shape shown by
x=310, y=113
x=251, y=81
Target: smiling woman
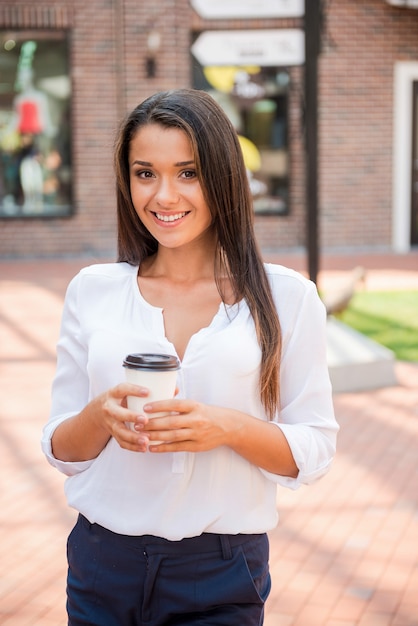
x=253, y=408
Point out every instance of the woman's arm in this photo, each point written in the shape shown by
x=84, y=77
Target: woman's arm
x=83, y=436
x=79, y=427
x=262, y=444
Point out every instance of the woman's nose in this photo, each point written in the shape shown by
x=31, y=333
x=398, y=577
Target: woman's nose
x=167, y=193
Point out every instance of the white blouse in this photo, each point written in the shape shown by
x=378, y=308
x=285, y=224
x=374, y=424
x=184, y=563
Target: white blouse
x=183, y=494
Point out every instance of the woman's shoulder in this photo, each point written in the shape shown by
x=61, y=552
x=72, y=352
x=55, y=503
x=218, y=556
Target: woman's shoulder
x=282, y=275
x=292, y=293
x=110, y=270
x=101, y=274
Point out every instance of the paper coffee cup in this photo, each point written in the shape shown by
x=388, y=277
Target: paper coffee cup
x=156, y=372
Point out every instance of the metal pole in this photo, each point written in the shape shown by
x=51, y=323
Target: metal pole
x=312, y=48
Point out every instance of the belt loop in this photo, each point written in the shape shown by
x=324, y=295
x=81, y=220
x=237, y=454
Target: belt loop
x=226, y=547
x=83, y=520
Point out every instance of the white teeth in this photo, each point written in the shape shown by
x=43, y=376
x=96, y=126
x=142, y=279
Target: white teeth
x=170, y=218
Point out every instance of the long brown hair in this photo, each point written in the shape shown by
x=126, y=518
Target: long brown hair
x=224, y=181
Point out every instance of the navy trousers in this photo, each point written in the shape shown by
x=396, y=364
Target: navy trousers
x=211, y=580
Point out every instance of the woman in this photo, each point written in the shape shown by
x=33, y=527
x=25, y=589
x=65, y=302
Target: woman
x=176, y=533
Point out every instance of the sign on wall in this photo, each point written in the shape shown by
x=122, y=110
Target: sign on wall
x=225, y=9
x=279, y=47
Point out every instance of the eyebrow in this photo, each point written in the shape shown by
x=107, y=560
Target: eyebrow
x=148, y=164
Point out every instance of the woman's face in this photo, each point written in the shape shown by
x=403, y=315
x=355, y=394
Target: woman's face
x=165, y=190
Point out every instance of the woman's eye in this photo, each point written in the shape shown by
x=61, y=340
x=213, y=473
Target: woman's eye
x=144, y=174
x=189, y=174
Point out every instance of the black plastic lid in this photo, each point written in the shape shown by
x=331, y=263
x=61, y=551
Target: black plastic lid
x=159, y=362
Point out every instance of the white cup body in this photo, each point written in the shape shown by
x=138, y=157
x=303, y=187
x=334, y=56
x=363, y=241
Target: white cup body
x=161, y=386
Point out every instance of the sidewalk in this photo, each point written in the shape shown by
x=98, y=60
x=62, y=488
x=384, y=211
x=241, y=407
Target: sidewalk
x=345, y=552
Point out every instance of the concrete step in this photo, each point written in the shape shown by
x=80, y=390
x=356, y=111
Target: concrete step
x=355, y=362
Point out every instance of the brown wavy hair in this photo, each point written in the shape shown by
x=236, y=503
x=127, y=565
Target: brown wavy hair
x=224, y=181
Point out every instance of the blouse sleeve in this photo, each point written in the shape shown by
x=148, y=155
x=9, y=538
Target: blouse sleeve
x=70, y=388
x=307, y=415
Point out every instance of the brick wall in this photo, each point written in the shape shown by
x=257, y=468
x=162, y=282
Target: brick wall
x=363, y=39
x=362, y=42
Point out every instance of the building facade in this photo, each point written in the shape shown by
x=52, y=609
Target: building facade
x=71, y=70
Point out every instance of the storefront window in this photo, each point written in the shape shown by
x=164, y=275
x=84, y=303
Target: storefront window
x=256, y=101
x=35, y=159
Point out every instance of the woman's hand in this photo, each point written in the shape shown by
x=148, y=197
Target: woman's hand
x=110, y=412
x=84, y=436
x=189, y=426
x=195, y=427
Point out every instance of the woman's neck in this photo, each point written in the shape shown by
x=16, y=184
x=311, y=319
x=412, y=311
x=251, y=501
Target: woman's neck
x=181, y=265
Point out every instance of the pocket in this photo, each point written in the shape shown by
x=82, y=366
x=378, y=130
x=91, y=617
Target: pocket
x=256, y=557
x=243, y=579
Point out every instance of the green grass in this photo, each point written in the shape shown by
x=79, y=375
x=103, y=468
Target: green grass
x=390, y=318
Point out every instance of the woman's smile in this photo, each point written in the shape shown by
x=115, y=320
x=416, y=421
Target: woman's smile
x=170, y=217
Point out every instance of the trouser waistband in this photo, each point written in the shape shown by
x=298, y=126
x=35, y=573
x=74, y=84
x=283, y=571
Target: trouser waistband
x=207, y=542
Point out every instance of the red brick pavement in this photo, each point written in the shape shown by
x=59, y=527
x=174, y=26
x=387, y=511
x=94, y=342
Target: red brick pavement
x=345, y=552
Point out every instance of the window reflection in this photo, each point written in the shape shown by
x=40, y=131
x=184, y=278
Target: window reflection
x=35, y=165
x=256, y=101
